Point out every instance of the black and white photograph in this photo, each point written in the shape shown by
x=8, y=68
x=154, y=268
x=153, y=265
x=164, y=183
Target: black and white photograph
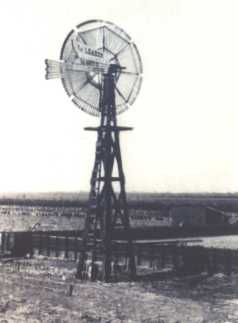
x=119, y=161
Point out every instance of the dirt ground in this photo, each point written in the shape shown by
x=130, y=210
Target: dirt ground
x=40, y=291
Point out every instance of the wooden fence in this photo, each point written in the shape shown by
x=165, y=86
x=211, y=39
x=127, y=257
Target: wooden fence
x=54, y=243
x=155, y=255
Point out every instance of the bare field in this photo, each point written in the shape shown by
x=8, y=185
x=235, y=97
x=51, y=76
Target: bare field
x=38, y=291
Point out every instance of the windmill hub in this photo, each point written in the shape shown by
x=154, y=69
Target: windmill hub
x=100, y=69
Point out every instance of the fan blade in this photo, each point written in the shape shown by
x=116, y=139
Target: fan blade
x=114, y=42
x=130, y=73
x=119, y=52
x=121, y=95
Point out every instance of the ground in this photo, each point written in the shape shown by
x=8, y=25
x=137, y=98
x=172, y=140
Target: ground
x=40, y=291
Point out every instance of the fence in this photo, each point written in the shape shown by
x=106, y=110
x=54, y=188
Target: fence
x=179, y=257
x=55, y=243
x=185, y=260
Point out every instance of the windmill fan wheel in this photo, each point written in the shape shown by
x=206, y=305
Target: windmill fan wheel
x=83, y=78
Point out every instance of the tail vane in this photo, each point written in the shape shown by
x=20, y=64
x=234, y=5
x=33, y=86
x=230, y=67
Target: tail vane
x=53, y=69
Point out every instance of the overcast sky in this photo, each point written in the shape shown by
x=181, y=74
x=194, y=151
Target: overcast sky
x=185, y=118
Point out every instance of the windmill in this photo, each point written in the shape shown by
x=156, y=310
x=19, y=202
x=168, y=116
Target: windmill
x=100, y=68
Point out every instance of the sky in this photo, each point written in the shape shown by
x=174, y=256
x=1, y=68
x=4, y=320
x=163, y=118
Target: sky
x=185, y=117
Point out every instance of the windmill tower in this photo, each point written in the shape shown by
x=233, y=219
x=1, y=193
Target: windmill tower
x=100, y=69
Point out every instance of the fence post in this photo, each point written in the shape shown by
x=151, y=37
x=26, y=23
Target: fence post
x=56, y=246
x=228, y=262
x=48, y=245
x=151, y=253
x=175, y=256
x=138, y=256
x=75, y=248
x=8, y=241
x=71, y=287
x=40, y=242
x=214, y=260
x=163, y=256
x=3, y=242
x=31, y=243
x=66, y=245
x=209, y=262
